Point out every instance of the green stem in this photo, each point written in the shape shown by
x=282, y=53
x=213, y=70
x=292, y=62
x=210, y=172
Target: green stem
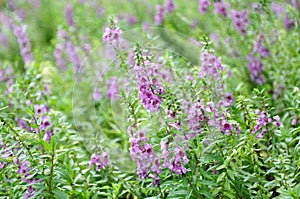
x=51, y=173
x=20, y=140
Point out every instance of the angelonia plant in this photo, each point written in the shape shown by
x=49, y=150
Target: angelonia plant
x=149, y=99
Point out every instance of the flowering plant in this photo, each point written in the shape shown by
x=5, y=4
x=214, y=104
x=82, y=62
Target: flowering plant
x=170, y=100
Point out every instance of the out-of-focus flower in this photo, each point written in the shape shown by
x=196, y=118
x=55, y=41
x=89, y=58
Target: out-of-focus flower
x=69, y=15
x=277, y=121
x=170, y=5
x=113, y=89
x=100, y=160
x=160, y=15
x=203, y=6
x=131, y=20
x=24, y=43
x=240, y=20
x=112, y=35
x=221, y=7
x=294, y=121
x=97, y=95
x=288, y=23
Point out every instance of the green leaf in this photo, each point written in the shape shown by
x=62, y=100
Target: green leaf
x=46, y=145
x=59, y=194
x=221, y=176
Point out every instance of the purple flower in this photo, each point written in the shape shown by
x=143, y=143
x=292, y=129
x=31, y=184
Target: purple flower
x=131, y=20
x=238, y=130
x=226, y=128
x=156, y=181
x=277, y=121
x=113, y=89
x=69, y=15
x=180, y=155
x=2, y=165
x=24, y=43
x=23, y=168
x=288, y=23
x=73, y=55
x=29, y=193
x=28, y=103
x=100, y=160
x=256, y=67
x=203, y=6
x=149, y=88
x=22, y=124
x=48, y=136
x=4, y=40
x=170, y=5
x=262, y=121
x=160, y=15
x=146, y=25
x=112, y=35
x=100, y=12
x=45, y=122
x=211, y=65
x=175, y=162
x=40, y=109
x=240, y=20
x=144, y=154
x=215, y=38
x=261, y=135
x=229, y=99
x=195, y=116
x=294, y=121
x=156, y=167
x=277, y=8
x=97, y=95
x=58, y=54
x=295, y=3
x=221, y=8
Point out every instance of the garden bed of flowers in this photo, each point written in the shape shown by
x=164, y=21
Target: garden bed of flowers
x=149, y=99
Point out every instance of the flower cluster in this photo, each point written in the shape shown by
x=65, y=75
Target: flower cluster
x=131, y=20
x=196, y=116
x=170, y=5
x=3, y=39
x=255, y=65
x=73, y=55
x=221, y=7
x=100, y=160
x=149, y=92
x=143, y=152
x=112, y=35
x=162, y=10
x=24, y=43
x=147, y=73
x=7, y=152
x=174, y=161
x=211, y=65
x=41, y=112
x=263, y=121
x=68, y=48
x=203, y=6
x=113, y=89
x=280, y=10
x=289, y=23
x=69, y=15
x=160, y=15
x=59, y=49
x=97, y=94
x=294, y=121
x=240, y=20
x=24, y=172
